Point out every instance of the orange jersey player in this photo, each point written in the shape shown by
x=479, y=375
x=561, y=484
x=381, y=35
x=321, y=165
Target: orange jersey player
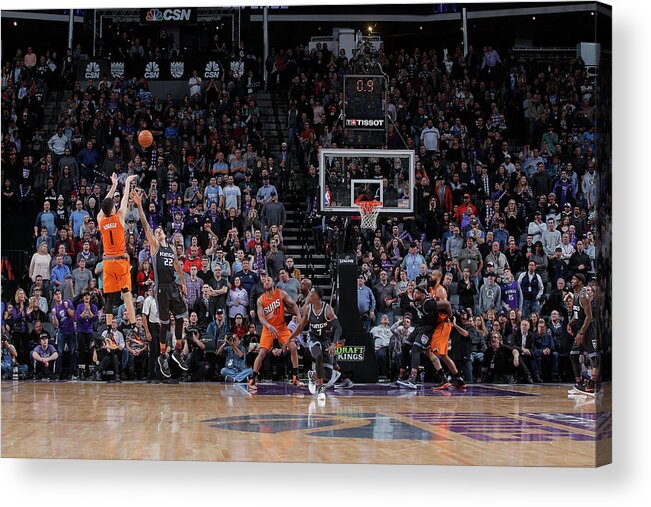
x=439, y=344
x=116, y=272
x=271, y=312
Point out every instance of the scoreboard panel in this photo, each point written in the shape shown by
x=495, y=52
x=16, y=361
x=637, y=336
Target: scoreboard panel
x=365, y=102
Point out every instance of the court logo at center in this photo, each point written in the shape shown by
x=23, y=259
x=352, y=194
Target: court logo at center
x=370, y=426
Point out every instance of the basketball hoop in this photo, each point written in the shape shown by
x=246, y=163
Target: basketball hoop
x=369, y=211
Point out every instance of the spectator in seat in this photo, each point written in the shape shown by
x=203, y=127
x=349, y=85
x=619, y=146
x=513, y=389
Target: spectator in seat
x=551, y=238
x=275, y=260
x=263, y=195
x=218, y=327
x=537, y=227
x=497, y=258
x=386, y=296
x=490, y=295
x=579, y=261
x=365, y=303
x=289, y=284
x=511, y=292
x=523, y=341
x=546, y=352
x=273, y=213
x=502, y=364
x=45, y=357
x=237, y=300
x=532, y=287
x=477, y=348
x=382, y=338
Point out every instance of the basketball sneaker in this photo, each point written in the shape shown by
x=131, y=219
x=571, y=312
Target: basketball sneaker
x=458, y=380
x=252, y=386
x=296, y=382
x=442, y=382
x=311, y=381
x=410, y=383
x=587, y=388
x=178, y=359
x=164, y=366
x=320, y=393
x=333, y=379
x=345, y=384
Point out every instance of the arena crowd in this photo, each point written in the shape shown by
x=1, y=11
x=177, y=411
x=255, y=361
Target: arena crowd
x=505, y=206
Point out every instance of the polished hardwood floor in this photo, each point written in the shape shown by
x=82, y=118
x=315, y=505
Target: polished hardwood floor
x=536, y=425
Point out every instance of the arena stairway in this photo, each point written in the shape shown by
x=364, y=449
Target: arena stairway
x=300, y=244
x=298, y=238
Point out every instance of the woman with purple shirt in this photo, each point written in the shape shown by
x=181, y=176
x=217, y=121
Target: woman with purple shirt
x=20, y=317
x=86, y=316
x=63, y=318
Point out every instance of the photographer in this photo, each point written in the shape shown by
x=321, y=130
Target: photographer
x=460, y=339
x=9, y=356
x=235, y=369
x=138, y=349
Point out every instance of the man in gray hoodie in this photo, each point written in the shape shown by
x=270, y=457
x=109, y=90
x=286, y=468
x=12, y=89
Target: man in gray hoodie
x=551, y=238
x=490, y=295
x=273, y=213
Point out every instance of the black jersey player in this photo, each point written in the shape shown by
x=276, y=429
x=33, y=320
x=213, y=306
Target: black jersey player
x=426, y=313
x=323, y=335
x=168, y=297
x=583, y=327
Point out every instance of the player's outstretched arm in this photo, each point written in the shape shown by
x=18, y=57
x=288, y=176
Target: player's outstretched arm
x=110, y=193
x=125, y=196
x=153, y=242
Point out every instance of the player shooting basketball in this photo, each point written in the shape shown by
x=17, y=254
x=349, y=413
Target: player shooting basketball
x=117, y=278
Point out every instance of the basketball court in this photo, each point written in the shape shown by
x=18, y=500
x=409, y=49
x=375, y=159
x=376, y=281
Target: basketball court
x=534, y=425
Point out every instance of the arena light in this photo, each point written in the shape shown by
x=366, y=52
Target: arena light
x=370, y=29
x=15, y=23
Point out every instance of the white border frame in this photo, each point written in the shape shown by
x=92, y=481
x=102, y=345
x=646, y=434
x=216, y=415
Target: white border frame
x=345, y=152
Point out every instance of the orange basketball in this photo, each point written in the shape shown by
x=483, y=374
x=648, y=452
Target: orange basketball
x=145, y=138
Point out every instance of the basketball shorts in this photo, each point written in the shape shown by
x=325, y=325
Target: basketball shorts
x=589, y=344
x=420, y=337
x=441, y=338
x=117, y=275
x=323, y=344
x=170, y=301
x=267, y=339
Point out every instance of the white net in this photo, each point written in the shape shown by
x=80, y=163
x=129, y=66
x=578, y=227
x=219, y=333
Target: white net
x=369, y=211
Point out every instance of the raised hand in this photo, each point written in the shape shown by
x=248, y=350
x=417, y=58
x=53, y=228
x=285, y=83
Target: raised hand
x=137, y=198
